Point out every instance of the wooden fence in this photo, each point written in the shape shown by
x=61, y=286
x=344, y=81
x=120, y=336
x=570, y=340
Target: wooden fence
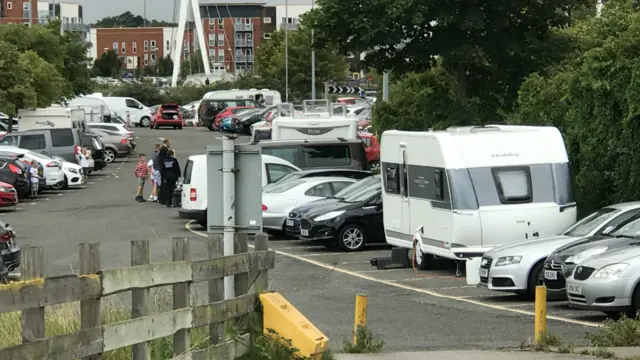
x=35, y=292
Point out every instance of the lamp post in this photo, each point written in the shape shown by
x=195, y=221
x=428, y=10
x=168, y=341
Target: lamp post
x=313, y=62
x=286, y=51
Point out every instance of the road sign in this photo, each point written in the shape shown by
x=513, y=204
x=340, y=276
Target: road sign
x=344, y=90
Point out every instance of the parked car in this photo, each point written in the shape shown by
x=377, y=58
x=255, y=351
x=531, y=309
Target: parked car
x=229, y=112
x=94, y=143
x=194, y=184
x=561, y=263
x=115, y=127
x=115, y=145
x=52, y=168
x=167, y=115
x=51, y=142
x=353, y=174
x=209, y=109
x=608, y=282
x=278, y=201
x=14, y=172
x=73, y=175
x=321, y=153
x=351, y=222
x=8, y=195
x=262, y=115
x=9, y=250
x=517, y=267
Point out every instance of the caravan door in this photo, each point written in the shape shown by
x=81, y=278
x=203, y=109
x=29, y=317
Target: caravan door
x=405, y=214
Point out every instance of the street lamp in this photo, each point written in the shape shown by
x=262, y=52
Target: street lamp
x=286, y=51
x=313, y=62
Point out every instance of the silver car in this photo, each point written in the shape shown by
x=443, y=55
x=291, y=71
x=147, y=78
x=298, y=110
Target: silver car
x=115, y=145
x=608, y=282
x=517, y=267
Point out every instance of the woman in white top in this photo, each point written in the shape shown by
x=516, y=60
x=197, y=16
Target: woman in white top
x=82, y=161
x=154, y=189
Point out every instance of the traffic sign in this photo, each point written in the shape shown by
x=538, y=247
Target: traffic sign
x=344, y=90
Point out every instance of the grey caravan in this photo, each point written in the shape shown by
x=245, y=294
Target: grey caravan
x=51, y=142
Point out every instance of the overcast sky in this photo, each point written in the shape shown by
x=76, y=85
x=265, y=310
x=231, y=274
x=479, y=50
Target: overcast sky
x=95, y=10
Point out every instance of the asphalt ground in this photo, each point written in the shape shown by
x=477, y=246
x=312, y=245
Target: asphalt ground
x=409, y=310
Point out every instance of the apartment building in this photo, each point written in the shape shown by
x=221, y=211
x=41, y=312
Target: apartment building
x=141, y=47
x=288, y=17
x=70, y=14
x=19, y=12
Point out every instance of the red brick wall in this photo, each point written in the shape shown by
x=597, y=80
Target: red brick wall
x=14, y=15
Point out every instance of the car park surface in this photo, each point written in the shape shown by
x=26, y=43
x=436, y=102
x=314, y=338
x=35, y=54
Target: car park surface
x=321, y=283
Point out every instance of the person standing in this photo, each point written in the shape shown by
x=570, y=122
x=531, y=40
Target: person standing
x=35, y=179
x=170, y=176
x=141, y=174
x=84, y=162
x=155, y=171
x=162, y=153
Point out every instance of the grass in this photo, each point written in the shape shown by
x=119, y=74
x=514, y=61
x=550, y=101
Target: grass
x=366, y=343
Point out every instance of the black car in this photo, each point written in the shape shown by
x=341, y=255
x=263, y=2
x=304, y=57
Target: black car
x=351, y=222
x=352, y=174
x=560, y=264
x=244, y=125
x=209, y=109
x=94, y=143
x=14, y=172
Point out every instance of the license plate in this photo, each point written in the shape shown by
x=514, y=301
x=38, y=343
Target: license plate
x=289, y=222
x=304, y=232
x=574, y=289
x=484, y=272
x=550, y=275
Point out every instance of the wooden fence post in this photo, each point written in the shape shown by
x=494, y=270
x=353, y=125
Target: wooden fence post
x=32, y=263
x=90, y=313
x=241, y=281
x=140, y=298
x=181, y=296
x=261, y=280
x=215, y=248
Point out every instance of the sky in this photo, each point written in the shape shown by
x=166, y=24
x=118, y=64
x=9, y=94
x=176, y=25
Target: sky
x=94, y=10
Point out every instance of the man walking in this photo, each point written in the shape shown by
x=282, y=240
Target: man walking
x=170, y=177
x=162, y=153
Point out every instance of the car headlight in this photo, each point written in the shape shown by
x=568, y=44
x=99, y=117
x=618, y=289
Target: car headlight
x=4, y=189
x=610, y=271
x=329, y=215
x=508, y=260
x=584, y=255
x=73, y=171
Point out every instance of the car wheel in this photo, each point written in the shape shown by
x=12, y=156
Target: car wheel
x=60, y=186
x=351, y=238
x=421, y=260
x=145, y=121
x=180, y=127
x=534, y=279
x=109, y=155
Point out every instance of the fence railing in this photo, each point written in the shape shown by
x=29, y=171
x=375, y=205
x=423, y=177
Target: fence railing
x=34, y=292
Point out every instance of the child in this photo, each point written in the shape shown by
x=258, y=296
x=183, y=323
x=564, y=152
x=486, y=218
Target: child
x=84, y=162
x=141, y=173
x=35, y=179
x=154, y=189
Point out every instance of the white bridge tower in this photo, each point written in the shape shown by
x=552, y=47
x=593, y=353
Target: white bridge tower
x=177, y=51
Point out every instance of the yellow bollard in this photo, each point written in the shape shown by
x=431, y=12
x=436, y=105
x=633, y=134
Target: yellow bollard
x=541, y=314
x=361, y=315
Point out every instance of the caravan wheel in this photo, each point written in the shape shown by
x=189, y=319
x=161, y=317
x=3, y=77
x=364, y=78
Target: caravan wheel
x=421, y=261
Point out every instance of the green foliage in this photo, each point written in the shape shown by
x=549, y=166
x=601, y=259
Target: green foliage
x=108, y=64
x=366, y=343
x=270, y=63
x=164, y=66
x=191, y=65
x=622, y=332
x=127, y=19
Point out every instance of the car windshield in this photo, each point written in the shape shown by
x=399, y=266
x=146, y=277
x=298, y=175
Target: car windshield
x=282, y=187
x=284, y=179
x=585, y=226
x=361, y=190
x=629, y=228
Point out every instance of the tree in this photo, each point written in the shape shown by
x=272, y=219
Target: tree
x=108, y=65
x=191, y=65
x=165, y=66
x=127, y=19
x=488, y=48
x=270, y=63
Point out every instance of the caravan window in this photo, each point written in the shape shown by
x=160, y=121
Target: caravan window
x=327, y=156
x=391, y=178
x=513, y=184
x=62, y=137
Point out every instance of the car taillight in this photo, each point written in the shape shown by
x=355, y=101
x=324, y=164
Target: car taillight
x=14, y=169
x=264, y=207
x=53, y=164
x=124, y=141
x=193, y=194
x=6, y=237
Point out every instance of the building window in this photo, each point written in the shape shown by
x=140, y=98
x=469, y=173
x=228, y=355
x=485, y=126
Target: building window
x=153, y=59
x=212, y=40
x=168, y=45
x=267, y=36
x=26, y=6
x=153, y=45
x=115, y=46
x=266, y=20
x=212, y=23
x=185, y=44
x=124, y=47
x=134, y=47
x=220, y=56
x=146, y=59
x=221, y=24
x=212, y=53
x=146, y=45
x=9, y=5
x=220, y=39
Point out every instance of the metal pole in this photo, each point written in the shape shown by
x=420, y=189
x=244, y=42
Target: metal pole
x=313, y=63
x=599, y=6
x=229, y=188
x=144, y=13
x=385, y=86
x=286, y=51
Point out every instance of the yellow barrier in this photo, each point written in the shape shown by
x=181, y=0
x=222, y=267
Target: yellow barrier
x=541, y=314
x=361, y=315
x=290, y=324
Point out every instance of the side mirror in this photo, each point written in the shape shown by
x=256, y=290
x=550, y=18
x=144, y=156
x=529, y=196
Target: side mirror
x=379, y=205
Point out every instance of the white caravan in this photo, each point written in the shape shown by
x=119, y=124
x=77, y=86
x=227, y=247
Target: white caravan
x=95, y=109
x=460, y=192
x=318, y=120
x=51, y=117
x=271, y=97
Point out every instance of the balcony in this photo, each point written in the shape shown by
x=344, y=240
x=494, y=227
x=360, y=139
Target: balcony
x=243, y=42
x=293, y=25
x=243, y=27
x=75, y=27
x=244, y=58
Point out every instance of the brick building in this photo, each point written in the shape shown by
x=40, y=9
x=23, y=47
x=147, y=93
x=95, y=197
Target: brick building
x=19, y=12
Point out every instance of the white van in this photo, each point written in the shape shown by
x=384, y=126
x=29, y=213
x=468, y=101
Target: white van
x=51, y=117
x=194, y=185
x=318, y=120
x=140, y=114
x=460, y=192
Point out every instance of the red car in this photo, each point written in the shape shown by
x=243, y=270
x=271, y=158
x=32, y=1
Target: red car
x=372, y=147
x=8, y=195
x=229, y=112
x=167, y=115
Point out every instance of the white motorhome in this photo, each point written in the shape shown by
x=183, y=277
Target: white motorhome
x=457, y=193
x=318, y=120
x=96, y=109
x=51, y=117
x=271, y=97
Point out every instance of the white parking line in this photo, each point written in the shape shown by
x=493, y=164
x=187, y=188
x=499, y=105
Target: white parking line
x=60, y=194
x=465, y=299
